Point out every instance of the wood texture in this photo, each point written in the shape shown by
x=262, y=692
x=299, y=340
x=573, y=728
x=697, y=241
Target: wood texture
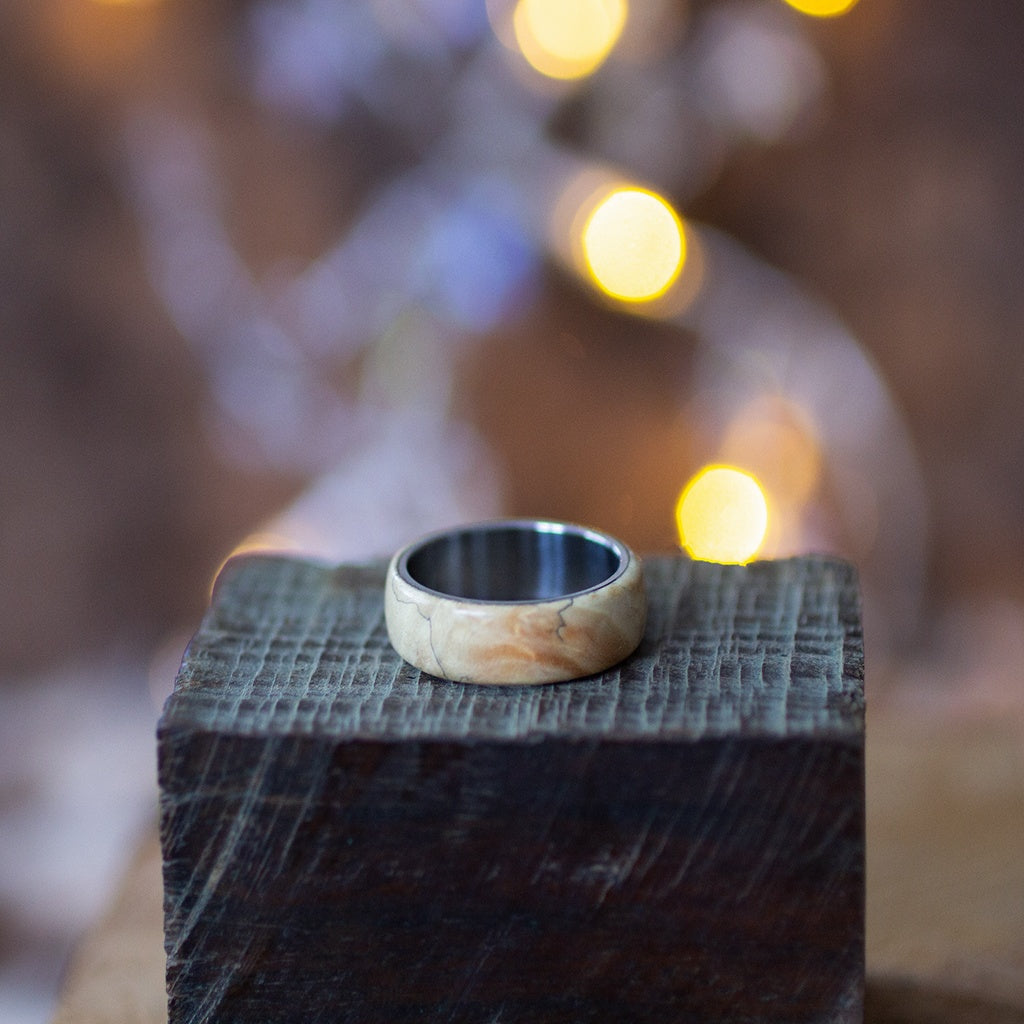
x=936, y=951
x=348, y=839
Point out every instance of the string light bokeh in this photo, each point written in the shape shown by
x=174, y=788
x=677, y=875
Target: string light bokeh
x=567, y=38
x=634, y=245
x=722, y=515
x=822, y=8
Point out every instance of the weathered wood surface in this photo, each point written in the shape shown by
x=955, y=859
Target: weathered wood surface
x=773, y=649
x=945, y=945
x=679, y=838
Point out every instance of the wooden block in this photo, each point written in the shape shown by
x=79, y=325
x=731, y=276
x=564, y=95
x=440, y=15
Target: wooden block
x=678, y=839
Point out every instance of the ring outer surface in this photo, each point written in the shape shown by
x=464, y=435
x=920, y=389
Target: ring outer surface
x=517, y=642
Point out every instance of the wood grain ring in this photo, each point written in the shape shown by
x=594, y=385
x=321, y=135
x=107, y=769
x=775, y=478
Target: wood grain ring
x=515, y=602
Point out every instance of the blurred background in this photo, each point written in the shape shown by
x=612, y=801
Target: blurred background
x=320, y=276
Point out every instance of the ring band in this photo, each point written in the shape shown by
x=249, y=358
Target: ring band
x=515, y=602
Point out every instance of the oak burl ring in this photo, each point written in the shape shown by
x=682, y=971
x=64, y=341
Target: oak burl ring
x=515, y=602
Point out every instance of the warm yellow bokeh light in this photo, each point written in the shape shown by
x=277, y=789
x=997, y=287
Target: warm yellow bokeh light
x=260, y=542
x=634, y=245
x=722, y=515
x=822, y=8
x=567, y=38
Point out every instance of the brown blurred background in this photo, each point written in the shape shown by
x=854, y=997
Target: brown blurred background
x=897, y=207
x=182, y=364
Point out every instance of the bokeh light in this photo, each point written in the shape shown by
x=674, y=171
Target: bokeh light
x=722, y=515
x=822, y=8
x=775, y=439
x=634, y=245
x=568, y=38
x=261, y=542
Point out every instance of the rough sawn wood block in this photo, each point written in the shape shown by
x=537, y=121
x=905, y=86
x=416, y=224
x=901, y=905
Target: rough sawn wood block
x=678, y=839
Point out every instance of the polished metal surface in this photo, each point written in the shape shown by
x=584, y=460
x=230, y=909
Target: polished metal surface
x=514, y=561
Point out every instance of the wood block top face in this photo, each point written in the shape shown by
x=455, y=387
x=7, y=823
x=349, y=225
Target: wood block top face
x=293, y=648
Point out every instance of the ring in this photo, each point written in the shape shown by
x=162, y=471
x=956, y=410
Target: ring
x=515, y=602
